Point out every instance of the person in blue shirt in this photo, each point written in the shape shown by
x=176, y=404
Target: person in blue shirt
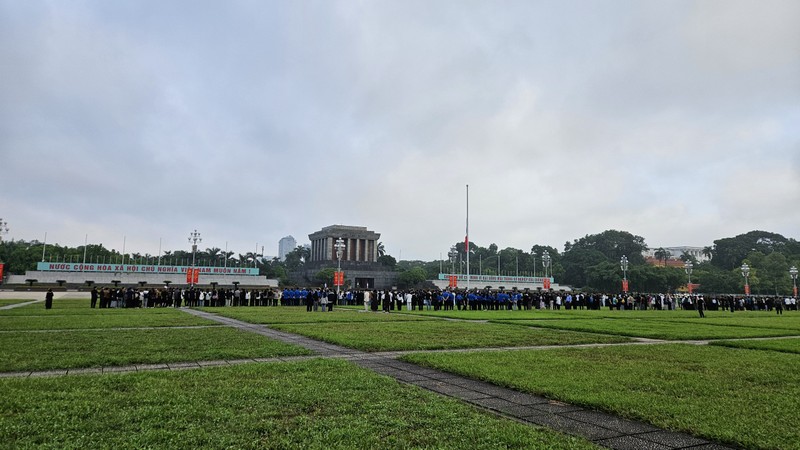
x=472, y=299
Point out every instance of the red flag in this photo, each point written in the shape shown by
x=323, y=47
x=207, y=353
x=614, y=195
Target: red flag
x=188, y=275
x=196, y=276
x=1, y=272
x=466, y=244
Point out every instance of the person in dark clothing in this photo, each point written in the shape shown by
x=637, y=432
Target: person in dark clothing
x=331, y=300
x=310, y=302
x=701, y=306
x=94, y=297
x=48, y=299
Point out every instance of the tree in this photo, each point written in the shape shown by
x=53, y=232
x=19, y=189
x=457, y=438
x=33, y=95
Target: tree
x=730, y=252
x=715, y=280
x=387, y=261
x=381, y=249
x=613, y=245
x=686, y=257
x=297, y=258
x=769, y=273
x=604, y=276
x=555, y=260
x=325, y=276
x=662, y=254
x=411, y=278
x=577, y=262
x=647, y=278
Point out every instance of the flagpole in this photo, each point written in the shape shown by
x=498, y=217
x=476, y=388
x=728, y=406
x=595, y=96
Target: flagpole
x=44, y=247
x=467, y=238
x=85, y=243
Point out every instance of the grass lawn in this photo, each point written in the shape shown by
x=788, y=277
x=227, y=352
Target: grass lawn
x=78, y=307
x=431, y=335
x=112, y=319
x=656, y=329
x=21, y=351
x=298, y=314
x=789, y=319
x=743, y=397
x=791, y=345
x=505, y=314
x=317, y=404
x=753, y=320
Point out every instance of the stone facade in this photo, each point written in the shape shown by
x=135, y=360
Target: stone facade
x=359, y=258
x=360, y=244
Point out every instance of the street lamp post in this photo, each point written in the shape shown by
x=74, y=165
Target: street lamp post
x=623, y=264
x=194, y=238
x=452, y=254
x=339, y=246
x=533, y=254
x=546, y=263
x=687, y=267
x=793, y=274
x=745, y=274
x=4, y=230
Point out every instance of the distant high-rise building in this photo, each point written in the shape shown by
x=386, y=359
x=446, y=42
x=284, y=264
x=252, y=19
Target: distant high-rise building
x=285, y=246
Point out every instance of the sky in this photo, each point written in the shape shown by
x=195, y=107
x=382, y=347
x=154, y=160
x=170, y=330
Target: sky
x=136, y=122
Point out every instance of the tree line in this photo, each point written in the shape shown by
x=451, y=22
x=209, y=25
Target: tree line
x=590, y=263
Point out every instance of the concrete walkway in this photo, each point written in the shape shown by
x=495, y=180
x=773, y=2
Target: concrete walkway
x=603, y=429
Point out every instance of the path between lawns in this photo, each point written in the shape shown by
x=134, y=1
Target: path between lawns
x=17, y=305
x=603, y=429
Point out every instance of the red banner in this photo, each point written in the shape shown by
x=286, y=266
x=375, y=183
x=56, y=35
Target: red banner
x=624, y=285
x=192, y=275
x=3, y=265
x=794, y=289
x=453, y=281
x=546, y=283
x=746, y=289
x=338, y=278
x=690, y=287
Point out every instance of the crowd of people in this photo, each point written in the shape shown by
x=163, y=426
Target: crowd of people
x=430, y=299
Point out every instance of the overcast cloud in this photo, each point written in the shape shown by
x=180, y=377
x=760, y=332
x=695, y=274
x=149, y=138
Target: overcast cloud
x=252, y=120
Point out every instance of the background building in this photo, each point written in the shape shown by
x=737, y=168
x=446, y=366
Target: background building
x=676, y=252
x=359, y=257
x=285, y=246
